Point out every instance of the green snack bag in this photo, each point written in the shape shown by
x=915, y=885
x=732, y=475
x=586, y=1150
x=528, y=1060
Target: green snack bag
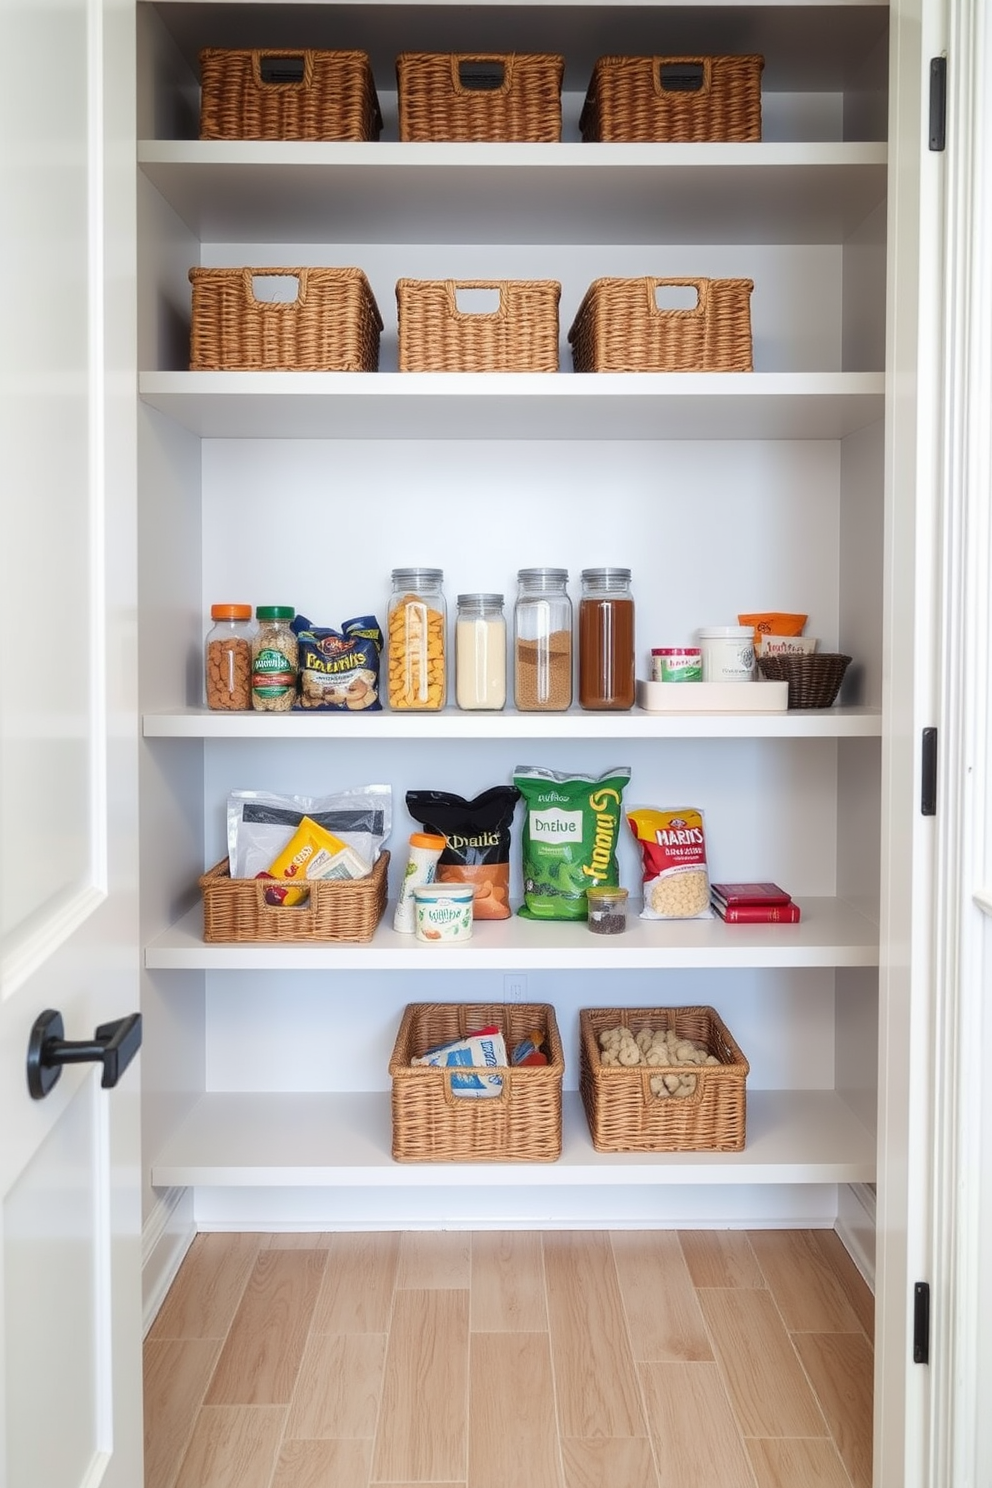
x=571, y=825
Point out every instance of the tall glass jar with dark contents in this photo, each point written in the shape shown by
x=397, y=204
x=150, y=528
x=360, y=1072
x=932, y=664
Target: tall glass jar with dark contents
x=542, y=641
x=606, y=639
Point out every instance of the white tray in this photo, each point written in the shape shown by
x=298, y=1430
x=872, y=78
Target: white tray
x=713, y=697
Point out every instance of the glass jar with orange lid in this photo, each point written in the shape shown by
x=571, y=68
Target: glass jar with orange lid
x=227, y=658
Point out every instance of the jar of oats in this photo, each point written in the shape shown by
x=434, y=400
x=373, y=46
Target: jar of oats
x=416, y=640
x=227, y=658
x=274, y=660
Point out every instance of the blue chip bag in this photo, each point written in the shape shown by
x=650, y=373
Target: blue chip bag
x=339, y=669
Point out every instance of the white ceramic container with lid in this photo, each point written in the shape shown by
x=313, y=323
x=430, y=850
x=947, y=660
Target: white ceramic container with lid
x=728, y=653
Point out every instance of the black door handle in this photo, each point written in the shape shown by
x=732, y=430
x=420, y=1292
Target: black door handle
x=113, y=1044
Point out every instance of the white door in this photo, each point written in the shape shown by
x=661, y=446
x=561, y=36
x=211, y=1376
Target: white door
x=70, y=1364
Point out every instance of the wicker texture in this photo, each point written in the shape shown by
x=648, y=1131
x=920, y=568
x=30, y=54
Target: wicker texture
x=431, y=1124
x=623, y=1113
x=334, y=99
x=333, y=325
x=520, y=336
x=814, y=681
x=234, y=909
x=637, y=99
x=619, y=328
x=436, y=104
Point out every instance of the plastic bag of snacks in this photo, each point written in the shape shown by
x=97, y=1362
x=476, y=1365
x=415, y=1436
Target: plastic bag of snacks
x=261, y=825
x=477, y=842
x=339, y=669
x=571, y=826
x=673, y=854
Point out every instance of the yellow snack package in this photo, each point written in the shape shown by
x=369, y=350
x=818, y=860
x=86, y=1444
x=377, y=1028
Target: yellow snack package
x=312, y=852
x=772, y=622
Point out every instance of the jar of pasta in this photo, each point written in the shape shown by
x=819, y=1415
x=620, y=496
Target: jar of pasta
x=416, y=640
x=274, y=660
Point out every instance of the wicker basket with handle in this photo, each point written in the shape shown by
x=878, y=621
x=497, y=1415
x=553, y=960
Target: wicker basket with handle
x=677, y=99
x=234, y=909
x=619, y=328
x=625, y=1115
x=479, y=96
x=433, y=1124
x=521, y=335
x=333, y=324
x=287, y=95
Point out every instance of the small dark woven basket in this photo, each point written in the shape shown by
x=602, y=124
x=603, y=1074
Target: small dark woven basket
x=814, y=681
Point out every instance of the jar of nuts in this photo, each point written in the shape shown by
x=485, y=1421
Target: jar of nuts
x=275, y=656
x=417, y=629
x=227, y=658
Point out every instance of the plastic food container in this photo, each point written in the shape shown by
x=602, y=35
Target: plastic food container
x=727, y=652
x=676, y=664
x=607, y=910
x=443, y=913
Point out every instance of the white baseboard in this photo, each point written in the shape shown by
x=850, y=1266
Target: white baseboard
x=166, y=1235
x=856, y=1226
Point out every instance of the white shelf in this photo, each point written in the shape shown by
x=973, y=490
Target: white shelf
x=807, y=723
x=308, y=1141
x=234, y=191
x=831, y=933
x=517, y=405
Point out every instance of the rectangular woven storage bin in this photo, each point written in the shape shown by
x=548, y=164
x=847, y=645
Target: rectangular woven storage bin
x=619, y=328
x=287, y=95
x=234, y=909
x=479, y=96
x=431, y=1124
x=676, y=99
x=333, y=324
x=520, y=336
x=623, y=1112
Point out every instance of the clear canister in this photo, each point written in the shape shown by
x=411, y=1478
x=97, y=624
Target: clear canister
x=227, y=658
x=416, y=641
x=480, y=652
x=606, y=639
x=275, y=656
x=542, y=646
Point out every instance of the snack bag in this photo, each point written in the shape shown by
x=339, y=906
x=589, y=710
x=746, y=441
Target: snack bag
x=477, y=842
x=772, y=622
x=339, y=669
x=260, y=825
x=673, y=852
x=485, y=1048
x=571, y=826
x=312, y=852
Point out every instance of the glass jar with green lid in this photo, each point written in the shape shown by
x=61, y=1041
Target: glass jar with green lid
x=275, y=658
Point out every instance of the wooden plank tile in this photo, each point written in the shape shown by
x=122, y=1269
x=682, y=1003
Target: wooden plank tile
x=323, y=1464
x=720, y=1258
x=663, y=1316
x=434, y=1258
x=602, y=1462
x=796, y=1462
x=262, y=1353
x=513, y=1432
x=176, y=1374
x=805, y=1289
x=595, y=1380
x=765, y=1381
x=295, y=1240
x=233, y=1446
x=840, y=1367
x=697, y=1442
x=356, y=1294
x=422, y=1432
x=507, y=1293
x=205, y=1294
x=856, y=1289
x=338, y=1386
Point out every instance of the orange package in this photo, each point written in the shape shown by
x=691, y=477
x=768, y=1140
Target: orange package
x=771, y=622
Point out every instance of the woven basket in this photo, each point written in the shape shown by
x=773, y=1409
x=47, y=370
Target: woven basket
x=814, y=681
x=626, y=1116
x=520, y=336
x=287, y=95
x=619, y=328
x=234, y=909
x=432, y=1124
x=333, y=325
x=678, y=99
x=479, y=96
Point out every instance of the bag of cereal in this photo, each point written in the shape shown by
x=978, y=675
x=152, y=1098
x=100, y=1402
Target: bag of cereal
x=673, y=852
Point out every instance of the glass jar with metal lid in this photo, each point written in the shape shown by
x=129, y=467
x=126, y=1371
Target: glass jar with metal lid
x=480, y=653
x=606, y=639
x=417, y=640
x=542, y=645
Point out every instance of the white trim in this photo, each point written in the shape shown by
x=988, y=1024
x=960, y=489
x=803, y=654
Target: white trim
x=166, y=1236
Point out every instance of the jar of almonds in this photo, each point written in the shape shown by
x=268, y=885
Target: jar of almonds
x=275, y=657
x=416, y=642
x=227, y=658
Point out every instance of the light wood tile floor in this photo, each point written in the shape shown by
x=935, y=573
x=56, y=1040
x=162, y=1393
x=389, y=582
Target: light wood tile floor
x=638, y=1359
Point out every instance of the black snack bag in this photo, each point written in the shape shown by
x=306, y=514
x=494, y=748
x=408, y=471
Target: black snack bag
x=478, y=837
x=339, y=669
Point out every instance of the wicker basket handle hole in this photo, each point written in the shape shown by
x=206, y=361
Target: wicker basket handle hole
x=681, y=77
x=482, y=75
x=281, y=69
x=678, y=297
x=476, y=301
x=276, y=289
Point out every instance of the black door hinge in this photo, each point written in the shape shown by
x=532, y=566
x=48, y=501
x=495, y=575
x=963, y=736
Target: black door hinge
x=928, y=773
x=921, y=1322
x=938, y=102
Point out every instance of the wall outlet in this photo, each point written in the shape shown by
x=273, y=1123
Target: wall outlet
x=515, y=987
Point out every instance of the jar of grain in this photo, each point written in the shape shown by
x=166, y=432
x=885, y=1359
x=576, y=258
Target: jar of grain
x=416, y=640
x=480, y=653
x=542, y=644
x=227, y=658
x=274, y=660
x=606, y=639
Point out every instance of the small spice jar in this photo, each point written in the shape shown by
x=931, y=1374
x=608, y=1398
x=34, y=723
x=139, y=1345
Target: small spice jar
x=275, y=656
x=542, y=646
x=607, y=910
x=227, y=658
x=606, y=640
x=416, y=631
x=480, y=653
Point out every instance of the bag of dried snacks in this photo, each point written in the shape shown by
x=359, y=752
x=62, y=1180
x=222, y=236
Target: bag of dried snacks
x=477, y=842
x=673, y=854
x=571, y=826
